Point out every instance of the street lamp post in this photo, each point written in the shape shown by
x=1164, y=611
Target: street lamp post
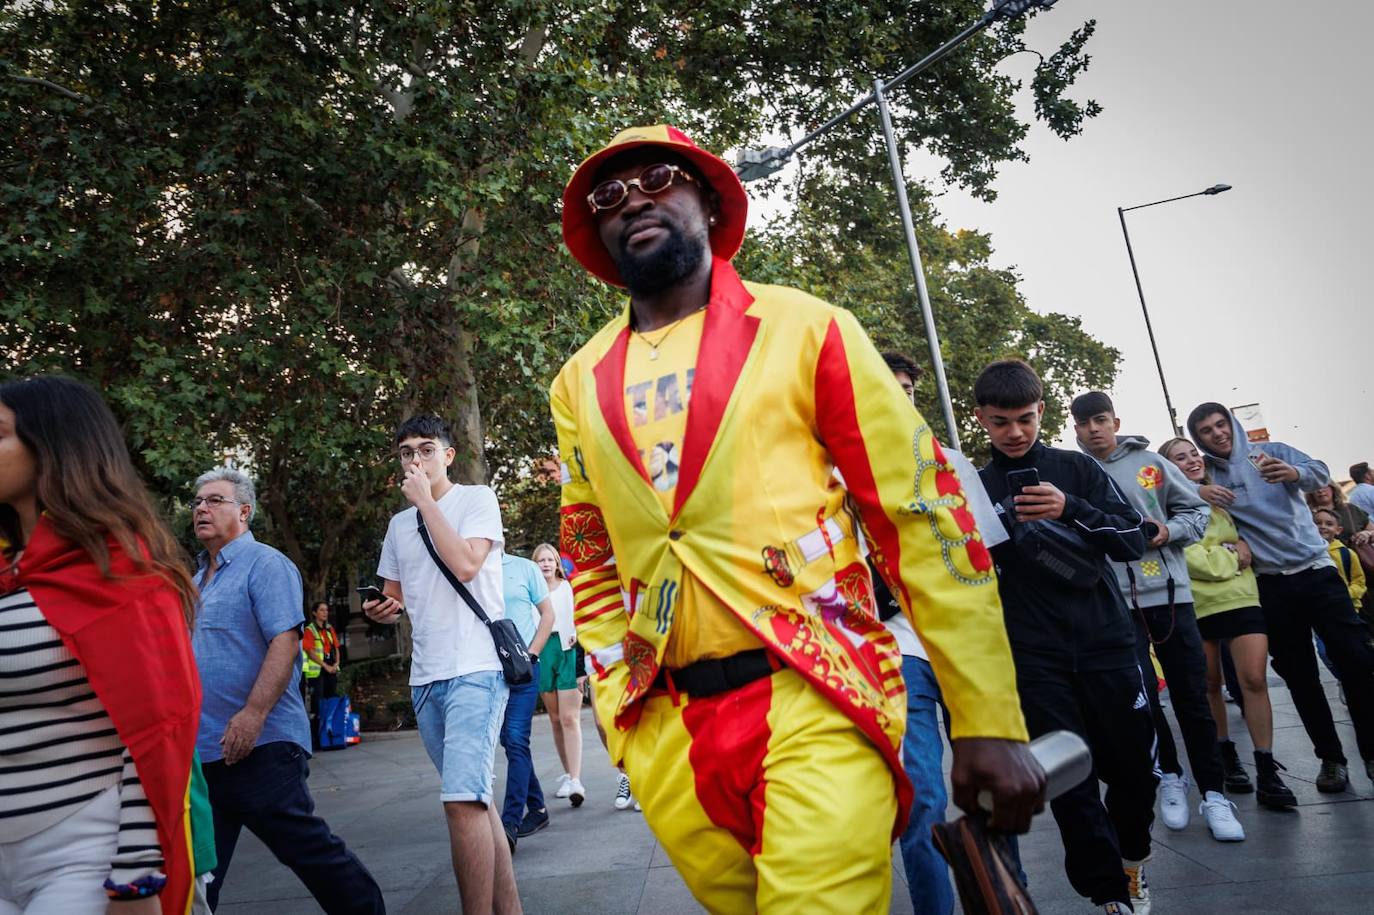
x=753, y=164
x=1149, y=329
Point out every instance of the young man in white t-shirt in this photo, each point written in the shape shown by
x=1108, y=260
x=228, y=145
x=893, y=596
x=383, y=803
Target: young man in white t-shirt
x=456, y=682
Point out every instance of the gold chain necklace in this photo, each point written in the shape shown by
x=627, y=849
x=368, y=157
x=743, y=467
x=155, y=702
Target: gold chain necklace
x=653, y=347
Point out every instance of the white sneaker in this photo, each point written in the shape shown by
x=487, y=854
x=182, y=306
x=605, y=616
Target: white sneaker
x=623, y=797
x=1138, y=888
x=564, y=786
x=1116, y=908
x=1173, y=800
x=638, y=809
x=576, y=793
x=1221, y=818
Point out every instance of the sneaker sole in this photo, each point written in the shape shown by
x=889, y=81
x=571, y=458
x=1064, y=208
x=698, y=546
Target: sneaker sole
x=1333, y=789
x=1276, y=801
x=523, y=834
x=623, y=805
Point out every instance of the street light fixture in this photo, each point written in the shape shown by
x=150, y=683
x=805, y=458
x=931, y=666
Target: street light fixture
x=1149, y=329
x=753, y=164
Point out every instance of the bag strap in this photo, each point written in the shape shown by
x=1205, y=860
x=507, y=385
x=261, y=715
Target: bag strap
x=458, y=586
x=1345, y=561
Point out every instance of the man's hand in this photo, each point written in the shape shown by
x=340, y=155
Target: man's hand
x=1243, y=554
x=1005, y=769
x=416, y=488
x=1216, y=495
x=241, y=734
x=1042, y=502
x=1161, y=536
x=1275, y=471
x=1360, y=538
x=383, y=611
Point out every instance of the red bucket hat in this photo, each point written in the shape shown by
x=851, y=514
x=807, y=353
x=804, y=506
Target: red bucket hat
x=579, y=223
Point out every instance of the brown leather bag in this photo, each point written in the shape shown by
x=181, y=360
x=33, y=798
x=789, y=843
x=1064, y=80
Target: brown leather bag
x=984, y=872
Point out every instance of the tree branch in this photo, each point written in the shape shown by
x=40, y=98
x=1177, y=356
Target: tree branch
x=49, y=84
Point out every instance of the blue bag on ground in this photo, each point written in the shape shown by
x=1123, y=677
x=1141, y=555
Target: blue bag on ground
x=333, y=722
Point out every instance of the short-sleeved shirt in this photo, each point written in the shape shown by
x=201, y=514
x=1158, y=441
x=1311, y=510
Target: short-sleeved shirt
x=524, y=587
x=448, y=639
x=254, y=596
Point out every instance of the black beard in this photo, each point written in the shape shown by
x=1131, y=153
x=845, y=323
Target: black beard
x=666, y=265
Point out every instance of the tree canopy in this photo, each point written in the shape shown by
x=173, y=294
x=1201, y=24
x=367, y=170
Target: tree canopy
x=268, y=231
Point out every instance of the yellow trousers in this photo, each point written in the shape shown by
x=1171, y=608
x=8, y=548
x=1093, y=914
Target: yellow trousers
x=766, y=798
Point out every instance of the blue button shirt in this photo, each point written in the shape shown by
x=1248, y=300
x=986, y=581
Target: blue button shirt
x=524, y=588
x=253, y=597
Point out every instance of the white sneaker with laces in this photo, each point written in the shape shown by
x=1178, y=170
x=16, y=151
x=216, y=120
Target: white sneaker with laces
x=1221, y=818
x=564, y=786
x=1173, y=800
x=576, y=793
x=623, y=797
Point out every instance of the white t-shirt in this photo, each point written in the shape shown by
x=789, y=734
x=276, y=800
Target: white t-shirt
x=990, y=528
x=562, y=599
x=449, y=639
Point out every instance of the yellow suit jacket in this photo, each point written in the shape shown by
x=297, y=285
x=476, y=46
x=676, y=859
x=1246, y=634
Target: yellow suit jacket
x=787, y=389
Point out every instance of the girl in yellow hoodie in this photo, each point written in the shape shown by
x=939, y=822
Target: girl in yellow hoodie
x=1226, y=600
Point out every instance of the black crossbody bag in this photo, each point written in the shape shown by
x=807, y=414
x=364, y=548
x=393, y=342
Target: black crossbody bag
x=510, y=648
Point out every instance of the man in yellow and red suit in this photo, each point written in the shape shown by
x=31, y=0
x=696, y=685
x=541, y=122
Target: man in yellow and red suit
x=721, y=593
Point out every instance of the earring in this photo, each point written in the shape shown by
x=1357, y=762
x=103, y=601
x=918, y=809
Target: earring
x=712, y=220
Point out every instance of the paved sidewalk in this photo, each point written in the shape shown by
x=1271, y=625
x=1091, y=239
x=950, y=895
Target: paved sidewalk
x=382, y=798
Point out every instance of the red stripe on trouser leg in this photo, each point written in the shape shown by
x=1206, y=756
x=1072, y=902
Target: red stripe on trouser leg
x=730, y=735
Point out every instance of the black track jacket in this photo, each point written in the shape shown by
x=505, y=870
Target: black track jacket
x=1050, y=622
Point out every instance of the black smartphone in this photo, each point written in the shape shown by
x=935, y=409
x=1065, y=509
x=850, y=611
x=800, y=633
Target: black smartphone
x=1018, y=480
x=371, y=592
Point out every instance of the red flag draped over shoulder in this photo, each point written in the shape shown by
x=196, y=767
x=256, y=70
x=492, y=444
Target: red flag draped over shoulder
x=128, y=632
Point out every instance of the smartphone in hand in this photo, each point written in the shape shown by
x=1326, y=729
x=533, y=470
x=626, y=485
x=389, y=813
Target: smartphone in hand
x=1017, y=480
x=371, y=593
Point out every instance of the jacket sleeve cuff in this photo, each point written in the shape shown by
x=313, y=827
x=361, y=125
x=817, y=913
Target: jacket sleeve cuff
x=996, y=716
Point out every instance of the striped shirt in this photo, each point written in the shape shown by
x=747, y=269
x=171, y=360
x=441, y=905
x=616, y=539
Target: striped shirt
x=58, y=748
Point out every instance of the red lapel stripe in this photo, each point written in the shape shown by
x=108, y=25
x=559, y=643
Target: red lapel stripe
x=726, y=338
x=610, y=394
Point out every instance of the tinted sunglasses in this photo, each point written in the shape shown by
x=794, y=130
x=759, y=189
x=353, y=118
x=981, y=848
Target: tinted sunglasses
x=655, y=179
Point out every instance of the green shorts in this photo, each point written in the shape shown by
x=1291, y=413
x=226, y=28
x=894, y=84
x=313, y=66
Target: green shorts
x=557, y=668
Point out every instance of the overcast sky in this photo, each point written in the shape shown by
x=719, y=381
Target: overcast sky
x=1256, y=295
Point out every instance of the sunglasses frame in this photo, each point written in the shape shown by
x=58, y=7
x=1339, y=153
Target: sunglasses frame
x=676, y=171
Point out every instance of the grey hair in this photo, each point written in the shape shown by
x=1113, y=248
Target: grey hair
x=243, y=486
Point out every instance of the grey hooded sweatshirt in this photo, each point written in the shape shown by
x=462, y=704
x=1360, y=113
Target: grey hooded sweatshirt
x=1272, y=517
x=1161, y=493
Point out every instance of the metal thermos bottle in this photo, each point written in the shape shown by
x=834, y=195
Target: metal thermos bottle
x=1065, y=758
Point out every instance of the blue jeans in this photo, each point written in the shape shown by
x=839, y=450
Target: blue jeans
x=522, y=785
x=266, y=792
x=927, y=875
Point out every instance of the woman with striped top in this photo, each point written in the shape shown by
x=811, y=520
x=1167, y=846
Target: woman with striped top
x=99, y=698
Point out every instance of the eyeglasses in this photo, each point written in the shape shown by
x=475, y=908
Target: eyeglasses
x=424, y=451
x=212, y=501
x=653, y=180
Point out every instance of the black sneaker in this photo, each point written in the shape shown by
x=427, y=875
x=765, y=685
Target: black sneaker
x=1272, y=791
x=534, y=821
x=1333, y=778
x=1237, y=780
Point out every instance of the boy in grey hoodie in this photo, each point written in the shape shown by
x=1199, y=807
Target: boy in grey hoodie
x=1157, y=589
x=1300, y=590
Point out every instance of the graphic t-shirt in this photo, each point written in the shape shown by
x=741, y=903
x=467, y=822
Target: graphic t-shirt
x=658, y=389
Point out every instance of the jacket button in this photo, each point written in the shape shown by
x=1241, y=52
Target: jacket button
x=675, y=535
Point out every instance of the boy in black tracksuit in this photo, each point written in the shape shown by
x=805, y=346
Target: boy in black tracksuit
x=1074, y=644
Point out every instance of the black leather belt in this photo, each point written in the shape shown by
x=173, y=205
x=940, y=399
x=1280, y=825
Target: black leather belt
x=718, y=675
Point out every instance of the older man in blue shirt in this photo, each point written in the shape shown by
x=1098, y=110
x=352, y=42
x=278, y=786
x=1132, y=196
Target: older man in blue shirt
x=254, y=733
x=527, y=605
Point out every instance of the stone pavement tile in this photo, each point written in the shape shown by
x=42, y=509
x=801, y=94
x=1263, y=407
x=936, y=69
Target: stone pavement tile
x=613, y=892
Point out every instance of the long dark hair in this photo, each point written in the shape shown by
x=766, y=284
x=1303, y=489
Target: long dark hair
x=87, y=486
